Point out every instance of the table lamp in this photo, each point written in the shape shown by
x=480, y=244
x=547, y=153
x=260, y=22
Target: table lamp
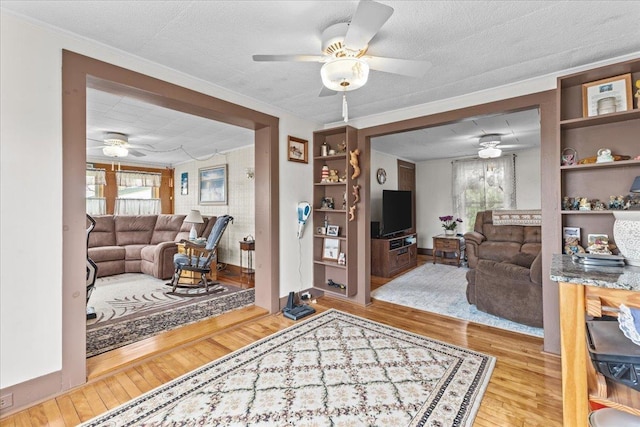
x=194, y=218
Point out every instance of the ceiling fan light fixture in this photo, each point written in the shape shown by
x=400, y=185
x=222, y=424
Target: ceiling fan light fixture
x=115, y=138
x=490, y=149
x=345, y=74
x=115, y=151
x=489, y=153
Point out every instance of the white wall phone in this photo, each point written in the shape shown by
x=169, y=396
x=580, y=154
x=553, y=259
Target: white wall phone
x=304, y=211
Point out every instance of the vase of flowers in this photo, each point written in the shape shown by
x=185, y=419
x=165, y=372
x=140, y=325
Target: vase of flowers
x=449, y=224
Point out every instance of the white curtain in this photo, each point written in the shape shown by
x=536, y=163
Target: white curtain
x=96, y=177
x=137, y=207
x=483, y=184
x=138, y=179
x=96, y=205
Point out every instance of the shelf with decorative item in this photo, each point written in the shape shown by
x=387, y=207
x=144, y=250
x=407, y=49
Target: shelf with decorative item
x=330, y=183
x=616, y=164
x=570, y=212
x=338, y=156
x=329, y=264
x=582, y=122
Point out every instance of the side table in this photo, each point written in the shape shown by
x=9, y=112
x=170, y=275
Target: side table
x=248, y=246
x=443, y=244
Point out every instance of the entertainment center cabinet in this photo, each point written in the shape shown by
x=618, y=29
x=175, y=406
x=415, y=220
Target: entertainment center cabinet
x=390, y=256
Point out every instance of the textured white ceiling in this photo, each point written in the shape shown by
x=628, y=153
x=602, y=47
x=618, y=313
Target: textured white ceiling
x=473, y=45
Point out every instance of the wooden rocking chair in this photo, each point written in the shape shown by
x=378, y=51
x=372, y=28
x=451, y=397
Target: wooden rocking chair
x=197, y=257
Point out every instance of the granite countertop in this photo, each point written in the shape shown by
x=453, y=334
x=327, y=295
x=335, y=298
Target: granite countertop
x=563, y=269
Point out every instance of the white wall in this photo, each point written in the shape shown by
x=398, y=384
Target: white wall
x=240, y=198
x=390, y=165
x=434, y=190
x=31, y=141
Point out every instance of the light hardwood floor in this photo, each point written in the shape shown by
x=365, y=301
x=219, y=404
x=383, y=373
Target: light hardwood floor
x=525, y=388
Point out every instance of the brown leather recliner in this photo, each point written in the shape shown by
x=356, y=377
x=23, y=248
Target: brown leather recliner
x=500, y=242
x=508, y=289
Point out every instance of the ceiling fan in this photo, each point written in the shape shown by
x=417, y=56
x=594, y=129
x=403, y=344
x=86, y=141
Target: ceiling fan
x=344, y=47
x=489, y=144
x=116, y=144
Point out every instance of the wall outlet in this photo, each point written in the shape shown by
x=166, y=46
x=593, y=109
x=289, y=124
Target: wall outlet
x=6, y=401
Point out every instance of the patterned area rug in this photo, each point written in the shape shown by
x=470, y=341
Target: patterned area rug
x=334, y=369
x=131, y=307
x=441, y=289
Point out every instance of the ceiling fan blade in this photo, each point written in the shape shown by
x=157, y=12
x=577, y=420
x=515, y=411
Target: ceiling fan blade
x=295, y=58
x=136, y=153
x=405, y=67
x=325, y=91
x=366, y=22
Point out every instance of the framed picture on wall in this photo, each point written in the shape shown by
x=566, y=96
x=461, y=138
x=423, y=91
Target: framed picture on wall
x=184, y=183
x=297, y=149
x=212, y=185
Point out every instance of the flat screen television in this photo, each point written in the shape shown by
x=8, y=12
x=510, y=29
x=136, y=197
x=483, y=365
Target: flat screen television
x=396, y=212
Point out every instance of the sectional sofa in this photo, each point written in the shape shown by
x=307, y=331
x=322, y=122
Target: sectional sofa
x=139, y=243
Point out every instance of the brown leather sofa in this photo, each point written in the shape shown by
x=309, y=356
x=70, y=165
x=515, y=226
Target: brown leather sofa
x=509, y=289
x=139, y=243
x=500, y=242
x=506, y=270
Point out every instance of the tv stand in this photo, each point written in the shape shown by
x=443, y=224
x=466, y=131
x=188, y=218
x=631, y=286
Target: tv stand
x=393, y=255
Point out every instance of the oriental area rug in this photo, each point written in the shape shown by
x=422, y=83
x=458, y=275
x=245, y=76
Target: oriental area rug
x=441, y=289
x=334, y=369
x=131, y=307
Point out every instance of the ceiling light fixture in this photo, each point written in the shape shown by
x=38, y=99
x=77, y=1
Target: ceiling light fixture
x=115, y=145
x=344, y=74
x=489, y=150
x=115, y=151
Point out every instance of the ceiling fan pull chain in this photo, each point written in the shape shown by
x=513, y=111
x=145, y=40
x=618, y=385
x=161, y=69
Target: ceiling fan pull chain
x=345, y=108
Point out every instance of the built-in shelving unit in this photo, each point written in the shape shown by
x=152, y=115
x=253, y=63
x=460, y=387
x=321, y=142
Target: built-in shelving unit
x=619, y=132
x=340, y=192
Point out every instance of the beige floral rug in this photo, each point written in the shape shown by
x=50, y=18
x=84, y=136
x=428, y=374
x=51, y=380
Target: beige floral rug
x=334, y=369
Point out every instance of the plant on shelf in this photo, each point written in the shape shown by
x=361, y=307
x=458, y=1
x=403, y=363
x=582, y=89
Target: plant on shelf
x=449, y=223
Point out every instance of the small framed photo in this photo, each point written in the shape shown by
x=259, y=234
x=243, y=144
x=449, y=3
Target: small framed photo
x=342, y=259
x=184, y=183
x=297, y=150
x=573, y=232
x=607, y=96
x=333, y=230
x=330, y=249
x=321, y=230
x=598, y=244
x=212, y=185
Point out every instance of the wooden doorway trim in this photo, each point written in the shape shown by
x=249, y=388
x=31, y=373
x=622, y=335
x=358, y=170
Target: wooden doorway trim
x=549, y=149
x=78, y=71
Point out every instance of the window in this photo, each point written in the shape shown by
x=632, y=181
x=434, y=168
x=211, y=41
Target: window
x=96, y=203
x=483, y=184
x=138, y=193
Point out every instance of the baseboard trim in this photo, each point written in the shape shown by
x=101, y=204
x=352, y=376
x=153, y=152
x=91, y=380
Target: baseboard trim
x=32, y=392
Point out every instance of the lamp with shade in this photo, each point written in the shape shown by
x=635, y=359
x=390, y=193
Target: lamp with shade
x=626, y=229
x=194, y=218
